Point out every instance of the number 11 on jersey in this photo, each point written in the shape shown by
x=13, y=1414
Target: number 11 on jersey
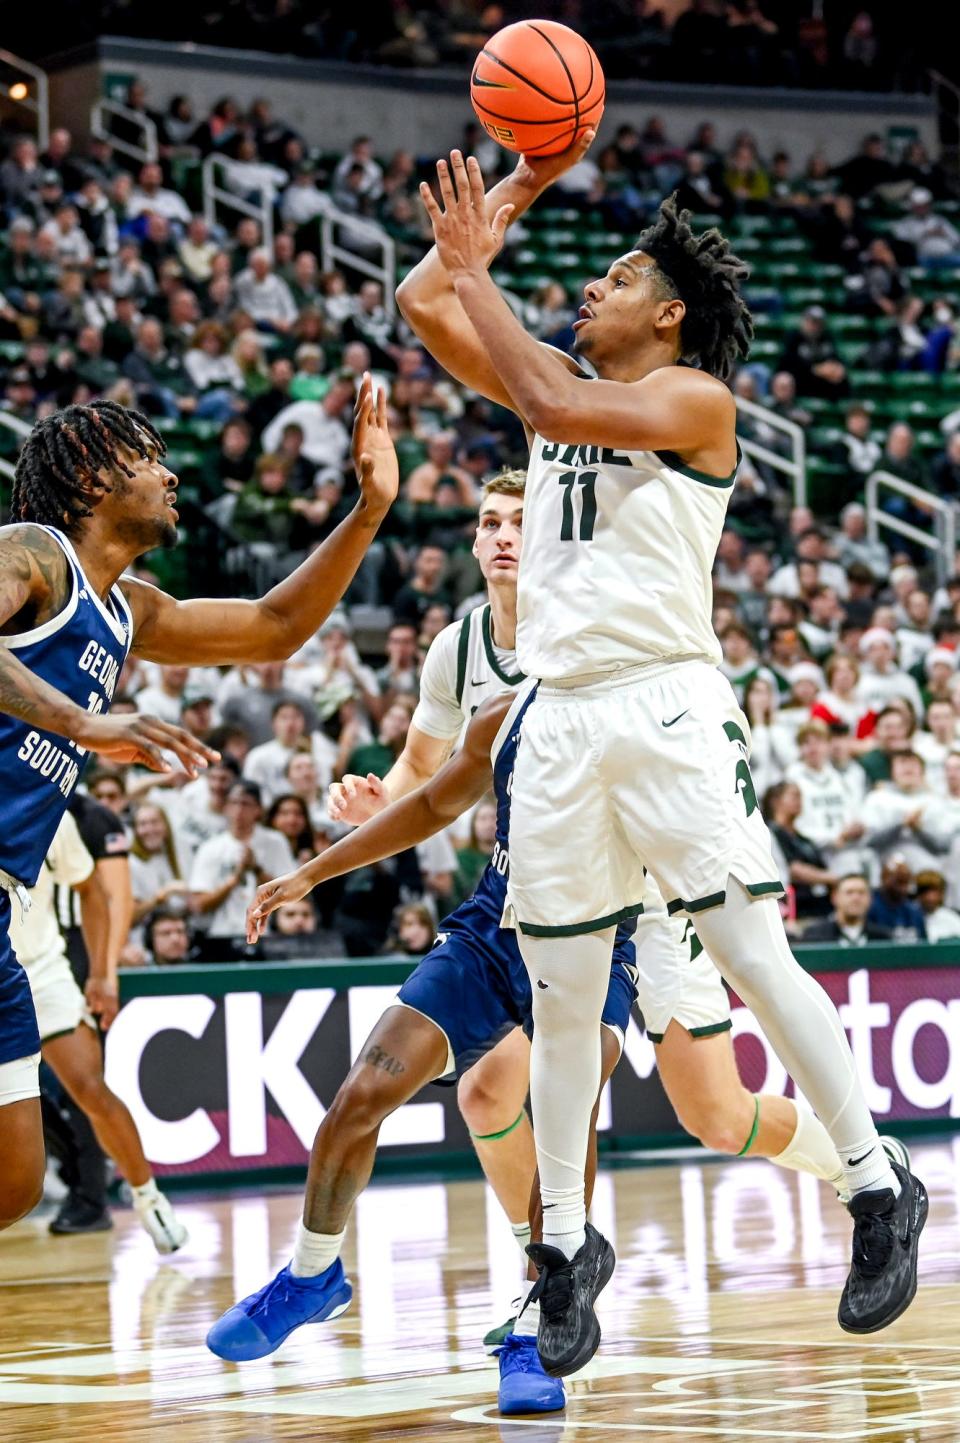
x=570, y=481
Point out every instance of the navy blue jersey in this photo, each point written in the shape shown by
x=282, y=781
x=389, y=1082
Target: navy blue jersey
x=80, y=652
x=491, y=890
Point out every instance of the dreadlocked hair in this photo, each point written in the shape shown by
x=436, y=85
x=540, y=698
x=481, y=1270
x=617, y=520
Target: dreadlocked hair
x=60, y=466
x=702, y=271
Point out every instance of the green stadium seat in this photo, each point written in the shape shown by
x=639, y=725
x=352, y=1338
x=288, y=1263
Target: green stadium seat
x=12, y=350
x=912, y=381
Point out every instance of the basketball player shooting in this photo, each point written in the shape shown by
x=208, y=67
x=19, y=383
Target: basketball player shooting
x=635, y=752
x=91, y=494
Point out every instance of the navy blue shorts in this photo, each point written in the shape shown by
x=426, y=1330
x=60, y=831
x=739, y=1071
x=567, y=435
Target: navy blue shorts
x=18, y=1020
x=474, y=986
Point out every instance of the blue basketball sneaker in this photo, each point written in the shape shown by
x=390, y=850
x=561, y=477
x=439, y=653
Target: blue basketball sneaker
x=524, y=1386
x=258, y=1325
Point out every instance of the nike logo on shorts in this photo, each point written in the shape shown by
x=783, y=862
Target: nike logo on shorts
x=482, y=682
x=675, y=720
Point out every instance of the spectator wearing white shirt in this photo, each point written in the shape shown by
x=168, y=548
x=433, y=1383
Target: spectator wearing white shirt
x=303, y=781
x=197, y=250
x=360, y=154
x=935, y=744
x=881, y=680
x=828, y=814
x=247, y=175
x=156, y=877
x=199, y=808
x=934, y=239
x=150, y=195
x=914, y=638
x=942, y=922
x=265, y=296
x=229, y=868
x=164, y=699
x=267, y=764
x=207, y=361
x=810, y=546
x=303, y=200
x=67, y=236
x=326, y=440
x=773, y=747
x=853, y=545
x=898, y=819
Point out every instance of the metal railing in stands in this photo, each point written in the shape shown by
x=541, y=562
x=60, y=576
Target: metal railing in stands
x=100, y=113
x=794, y=465
x=334, y=252
x=37, y=104
x=214, y=194
x=19, y=428
x=941, y=540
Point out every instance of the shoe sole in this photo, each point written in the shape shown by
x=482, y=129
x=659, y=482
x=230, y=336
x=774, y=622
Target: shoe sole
x=66, y=1232
x=923, y=1209
x=561, y=1368
x=529, y=1410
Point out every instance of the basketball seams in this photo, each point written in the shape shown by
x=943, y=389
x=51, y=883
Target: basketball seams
x=538, y=89
x=566, y=70
x=576, y=109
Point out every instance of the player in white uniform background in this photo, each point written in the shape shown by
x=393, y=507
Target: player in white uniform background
x=635, y=751
x=68, y=1037
x=680, y=994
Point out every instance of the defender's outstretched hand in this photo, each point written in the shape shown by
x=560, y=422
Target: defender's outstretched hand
x=372, y=450
x=466, y=241
x=288, y=888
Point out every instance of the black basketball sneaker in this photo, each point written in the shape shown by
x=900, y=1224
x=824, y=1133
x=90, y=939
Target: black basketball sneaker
x=886, y=1234
x=566, y=1290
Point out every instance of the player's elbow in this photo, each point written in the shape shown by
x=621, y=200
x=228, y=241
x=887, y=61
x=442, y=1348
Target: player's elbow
x=553, y=419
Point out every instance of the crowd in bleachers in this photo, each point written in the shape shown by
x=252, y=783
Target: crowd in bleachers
x=844, y=650
x=735, y=42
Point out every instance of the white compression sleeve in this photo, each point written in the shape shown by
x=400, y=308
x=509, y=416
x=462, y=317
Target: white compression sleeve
x=747, y=942
x=569, y=978
x=810, y=1150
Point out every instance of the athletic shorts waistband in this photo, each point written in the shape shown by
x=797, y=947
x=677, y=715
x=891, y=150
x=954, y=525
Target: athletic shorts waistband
x=597, y=682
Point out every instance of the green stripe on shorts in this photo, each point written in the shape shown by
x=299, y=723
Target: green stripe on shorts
x=576, y=929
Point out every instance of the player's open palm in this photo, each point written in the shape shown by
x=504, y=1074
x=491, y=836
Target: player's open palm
x=466, y=241
x=373, y=451
x=142, y=740
x=356, y=799
x=288, y=888
x=543, y=170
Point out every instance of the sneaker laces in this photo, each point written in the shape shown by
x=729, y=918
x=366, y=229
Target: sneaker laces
x=520, y=1354
x=873, y=1242
x=553, y=1290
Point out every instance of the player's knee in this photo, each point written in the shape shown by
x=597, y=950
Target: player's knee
x=361, y=1104
x=720, y=1128
x=480, y=1106
x=20, y=1195
x=91, y=1094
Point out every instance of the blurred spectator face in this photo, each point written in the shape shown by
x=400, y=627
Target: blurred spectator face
x=219, y=781
x=283, y=249
x=814, y=747
x=435, y=618
x=900, y=442
x=291, y=819
x=150, y=337
x=429, y=566
x=340, y=394
x=844, y=675
x=415, y=930
x=824, y=607
x=730, y=550
x=197, y=231
x=783, y=388
x=484, y=827
x=393, y=727
x=198, y=717
x=917, y=606
x=235, y=440
x=851, y=901
x=853, y=518
x=951, y=770
x=803, y=692
x=260, y=263
x=931, y=891
x=896, y=879
x=370, y=296
x=801, y=519
x=736, y=646
x=440, y=448
x=25, y=154
x=170, y=939
x=402, y=647
x=288, y=724
x=784, y=645
x=758, y=569
x=184, y=308
x=150, y=179
x=810, y=546
x=242, y=812
x=891, y=731
x=808, y=577
x=150, y=828
x=174, y=678
x=880, y=654
x=295, y=919
x=790, y=803
x=942, y=721
x=281, y=374
x=110, y=793
x=499, y=537
x=272, y=480
x=908, y=772
x=356, y=358
x=269, y=674
x=247, y=233
x=745, y=386
x=302, y=774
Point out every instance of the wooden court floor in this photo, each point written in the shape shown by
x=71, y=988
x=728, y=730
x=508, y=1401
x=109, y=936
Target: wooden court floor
x=720, y=1322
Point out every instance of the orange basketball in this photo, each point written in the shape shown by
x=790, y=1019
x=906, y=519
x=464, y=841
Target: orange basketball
x=535, y=85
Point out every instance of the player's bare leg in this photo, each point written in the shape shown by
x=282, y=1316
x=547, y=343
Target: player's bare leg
x=21, y=1147
x=404, y=1051
x=77, y=1061
x=491, y=1097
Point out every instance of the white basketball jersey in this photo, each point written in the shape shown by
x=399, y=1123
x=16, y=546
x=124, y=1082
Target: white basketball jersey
x=615, y=571
x=463, y=669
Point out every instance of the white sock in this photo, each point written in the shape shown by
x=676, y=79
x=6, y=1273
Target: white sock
x=870, y=1169
x=810, y=1150
x=146, y=1193
x=569, y=978
x=313, y=1253
x=528, y=1319
x=521, y=1231
x=564, y=1219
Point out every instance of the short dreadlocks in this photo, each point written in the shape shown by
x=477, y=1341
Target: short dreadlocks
x=62, y=457
x=703, y=272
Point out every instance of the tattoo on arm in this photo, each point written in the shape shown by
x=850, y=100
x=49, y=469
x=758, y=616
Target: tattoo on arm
x=33, y=584
x=376, y=1057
